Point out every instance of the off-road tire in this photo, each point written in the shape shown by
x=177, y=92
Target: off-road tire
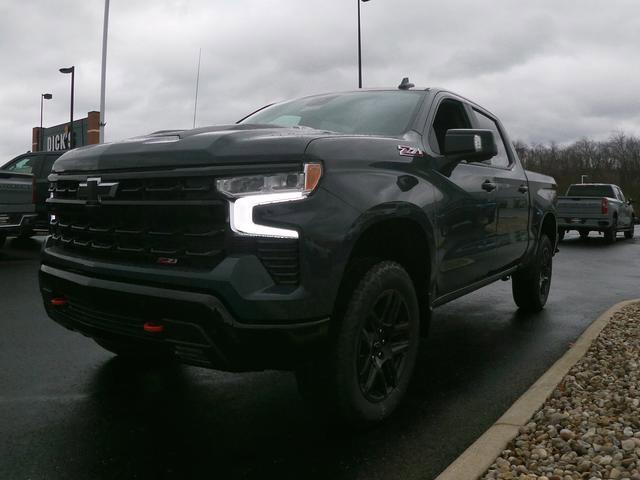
x=531, y=285
x=628, y=234
x=611, y=233
x=365, y=375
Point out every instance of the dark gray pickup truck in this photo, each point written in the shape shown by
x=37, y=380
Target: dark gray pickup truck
x=315, y=235
x=17, y=209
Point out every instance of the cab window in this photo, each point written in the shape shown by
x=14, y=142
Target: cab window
x=484, y=122
x=22, y=165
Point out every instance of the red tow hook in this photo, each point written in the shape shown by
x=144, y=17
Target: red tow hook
x=153, y=327
x=59, y=301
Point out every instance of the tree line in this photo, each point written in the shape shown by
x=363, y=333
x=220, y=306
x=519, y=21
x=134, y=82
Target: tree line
x=615, y=160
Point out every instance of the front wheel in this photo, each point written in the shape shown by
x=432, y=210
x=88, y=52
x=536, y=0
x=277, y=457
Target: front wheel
x=366, y=373
x=531, y=285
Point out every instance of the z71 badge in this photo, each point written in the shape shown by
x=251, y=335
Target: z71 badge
x=409, y=151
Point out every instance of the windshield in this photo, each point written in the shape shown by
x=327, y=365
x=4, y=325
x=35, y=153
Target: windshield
x=590, y=191
x=386, y=113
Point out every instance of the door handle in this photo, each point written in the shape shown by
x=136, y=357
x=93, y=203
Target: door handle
x=523, y=188
x=489, y=186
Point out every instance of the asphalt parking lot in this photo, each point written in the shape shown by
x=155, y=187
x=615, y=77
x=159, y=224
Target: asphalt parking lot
x=71, y=410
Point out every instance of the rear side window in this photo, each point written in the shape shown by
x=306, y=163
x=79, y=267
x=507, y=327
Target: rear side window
x=501, y=159
x=591, y=191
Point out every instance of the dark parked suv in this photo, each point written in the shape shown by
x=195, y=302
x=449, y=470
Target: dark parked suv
x=315, y=235
x=39, y=165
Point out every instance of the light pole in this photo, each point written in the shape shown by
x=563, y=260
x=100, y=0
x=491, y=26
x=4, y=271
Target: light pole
x=359, y=46
x=72, y=71
x=103, y=76
x=43, y=97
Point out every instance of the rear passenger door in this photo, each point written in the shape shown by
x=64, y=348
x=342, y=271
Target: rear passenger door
x=466, y=208
x=512, y=195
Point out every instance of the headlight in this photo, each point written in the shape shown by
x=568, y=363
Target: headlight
x=249, y=191
x=277, y=183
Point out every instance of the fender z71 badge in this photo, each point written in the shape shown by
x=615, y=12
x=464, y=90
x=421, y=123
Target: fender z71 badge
x=409, y=151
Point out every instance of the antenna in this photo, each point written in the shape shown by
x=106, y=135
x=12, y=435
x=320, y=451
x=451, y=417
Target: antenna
x=195, y=106
x=405, y=84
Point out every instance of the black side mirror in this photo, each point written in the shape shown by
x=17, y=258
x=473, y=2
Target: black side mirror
x=468, y=144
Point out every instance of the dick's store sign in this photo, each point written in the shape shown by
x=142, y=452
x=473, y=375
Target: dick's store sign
x=59, y=138
x=59, y=141
x=86, y=131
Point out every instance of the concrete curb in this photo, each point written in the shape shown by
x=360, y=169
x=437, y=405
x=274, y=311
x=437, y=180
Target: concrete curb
x=482, y=453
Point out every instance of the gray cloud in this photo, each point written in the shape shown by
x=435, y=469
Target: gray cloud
x=552, y=70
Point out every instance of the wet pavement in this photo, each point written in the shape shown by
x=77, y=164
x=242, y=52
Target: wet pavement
x=71, y=410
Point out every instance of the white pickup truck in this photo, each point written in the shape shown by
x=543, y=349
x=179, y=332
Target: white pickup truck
x=17, y=208
x=599, y=207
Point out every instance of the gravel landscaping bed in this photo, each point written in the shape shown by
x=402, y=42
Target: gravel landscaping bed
x=589, y=428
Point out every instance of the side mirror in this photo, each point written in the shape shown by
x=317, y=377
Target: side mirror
x=468, y=144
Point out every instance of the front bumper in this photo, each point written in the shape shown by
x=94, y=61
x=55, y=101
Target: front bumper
x=197, y=326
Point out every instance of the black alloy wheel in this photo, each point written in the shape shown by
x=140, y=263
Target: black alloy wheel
x=365, y=373
x=544, y=274
x=383, y=346
x=531, y=285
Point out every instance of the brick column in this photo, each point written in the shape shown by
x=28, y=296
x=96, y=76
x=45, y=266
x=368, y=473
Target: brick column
x=93, y=128
x=35, y=140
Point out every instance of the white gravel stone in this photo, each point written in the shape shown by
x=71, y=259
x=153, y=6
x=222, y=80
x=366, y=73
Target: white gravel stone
x=589, y=427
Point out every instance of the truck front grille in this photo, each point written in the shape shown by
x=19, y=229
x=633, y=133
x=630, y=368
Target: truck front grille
x=179, y=221
x=175, y=221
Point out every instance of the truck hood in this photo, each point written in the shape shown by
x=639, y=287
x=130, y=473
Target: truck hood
x=220, y=145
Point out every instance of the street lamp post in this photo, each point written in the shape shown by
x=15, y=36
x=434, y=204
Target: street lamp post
x=360, y=46
x=72, y=71
x=43, y=97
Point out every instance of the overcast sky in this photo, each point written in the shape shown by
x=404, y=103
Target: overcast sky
x=552, y=70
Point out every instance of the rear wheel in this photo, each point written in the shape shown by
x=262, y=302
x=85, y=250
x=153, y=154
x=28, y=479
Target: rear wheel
x=629, y=233
x=531, y=285
x=611, y=233
x=368, y=369
x=135, y=350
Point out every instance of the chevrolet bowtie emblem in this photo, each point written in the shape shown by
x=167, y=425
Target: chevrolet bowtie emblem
x=94, y=190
